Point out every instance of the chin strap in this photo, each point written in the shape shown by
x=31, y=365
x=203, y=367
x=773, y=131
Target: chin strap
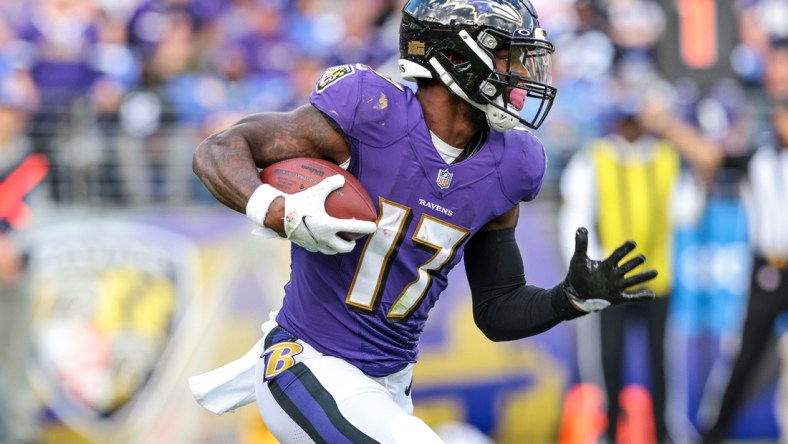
x=499, y=120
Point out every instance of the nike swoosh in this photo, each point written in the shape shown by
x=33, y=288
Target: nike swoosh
x=308, y=230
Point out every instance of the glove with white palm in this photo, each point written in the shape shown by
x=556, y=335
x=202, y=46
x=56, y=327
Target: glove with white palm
x=306, y=222
x=308, y=225
x=594, y=285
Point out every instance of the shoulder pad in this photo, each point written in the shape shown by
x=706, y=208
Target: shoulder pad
x=366, y=105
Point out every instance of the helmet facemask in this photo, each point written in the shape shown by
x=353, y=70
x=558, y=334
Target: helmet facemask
x=523, y=88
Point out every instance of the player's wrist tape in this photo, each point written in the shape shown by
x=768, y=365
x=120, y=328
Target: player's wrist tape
x=257, y=208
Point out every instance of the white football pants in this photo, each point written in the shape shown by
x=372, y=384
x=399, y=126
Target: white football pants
x=305, y=397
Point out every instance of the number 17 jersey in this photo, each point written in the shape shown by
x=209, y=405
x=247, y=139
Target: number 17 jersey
x=369, y=306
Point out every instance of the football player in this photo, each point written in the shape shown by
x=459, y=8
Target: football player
x=449, y=166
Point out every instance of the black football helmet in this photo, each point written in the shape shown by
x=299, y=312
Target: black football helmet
x=481, y=32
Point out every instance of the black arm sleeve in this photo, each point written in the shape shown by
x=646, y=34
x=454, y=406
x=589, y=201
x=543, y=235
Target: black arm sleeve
x=504, y=306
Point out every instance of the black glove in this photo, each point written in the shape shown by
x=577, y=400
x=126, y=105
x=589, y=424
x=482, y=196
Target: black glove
x=595, y=285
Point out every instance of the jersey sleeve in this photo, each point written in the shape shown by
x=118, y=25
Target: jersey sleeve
x=365, y=105
x=337, y=94
x=524, y=165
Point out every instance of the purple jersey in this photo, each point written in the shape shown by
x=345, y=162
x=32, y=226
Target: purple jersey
x=369, y=306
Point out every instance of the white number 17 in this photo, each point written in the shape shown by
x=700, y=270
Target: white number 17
x=381, y=249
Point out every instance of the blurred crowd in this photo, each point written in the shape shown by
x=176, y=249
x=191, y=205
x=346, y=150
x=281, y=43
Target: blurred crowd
x=116, y=93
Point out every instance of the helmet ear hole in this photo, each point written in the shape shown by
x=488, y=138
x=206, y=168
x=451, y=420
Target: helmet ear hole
x=454, y=57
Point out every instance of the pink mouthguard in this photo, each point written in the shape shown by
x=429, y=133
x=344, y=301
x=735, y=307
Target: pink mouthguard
x=517, y=98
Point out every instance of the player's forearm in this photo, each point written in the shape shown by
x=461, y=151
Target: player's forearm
x=504, y=306
x=696, y=148
x=703, y=153
x=521, y=311
x=224, y=164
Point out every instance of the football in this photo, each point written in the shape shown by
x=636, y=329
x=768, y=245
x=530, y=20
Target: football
x=351, y=201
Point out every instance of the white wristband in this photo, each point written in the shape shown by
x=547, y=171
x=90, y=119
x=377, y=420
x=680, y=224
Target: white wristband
x=257, y=208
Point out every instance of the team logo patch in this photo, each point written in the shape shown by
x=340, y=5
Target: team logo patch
x=333, y=75
x=444, y=178
x=280, y=357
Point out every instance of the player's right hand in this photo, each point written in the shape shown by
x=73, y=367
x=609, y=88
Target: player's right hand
x=594, y=285
x=308, y=225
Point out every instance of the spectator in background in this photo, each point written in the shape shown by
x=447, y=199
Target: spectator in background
x=63, y=34
x=630, y=174
x=635, y=26
x=169, y=39
x=112, y=56
x=358, y=17
x=766, y=201
x=18, y=98
x=621, y=185
x=721, y=116
x=583, y=68
x=256, y=31
x=20, y=172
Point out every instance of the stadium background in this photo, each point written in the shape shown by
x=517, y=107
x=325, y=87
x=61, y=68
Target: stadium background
x=137, y=278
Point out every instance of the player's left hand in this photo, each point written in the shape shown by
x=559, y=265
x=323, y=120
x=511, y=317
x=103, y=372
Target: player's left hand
x=594, y=285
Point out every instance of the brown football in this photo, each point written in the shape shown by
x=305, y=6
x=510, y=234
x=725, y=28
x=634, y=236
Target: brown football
x=351, y=201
